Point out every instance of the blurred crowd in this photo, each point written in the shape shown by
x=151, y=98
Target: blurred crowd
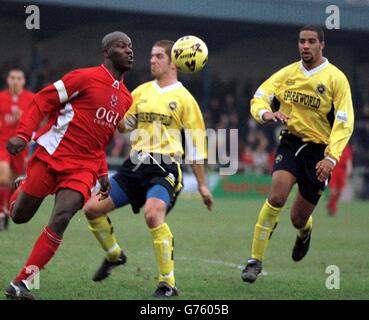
x=225, y=105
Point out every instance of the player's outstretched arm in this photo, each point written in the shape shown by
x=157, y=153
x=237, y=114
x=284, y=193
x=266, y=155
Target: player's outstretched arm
x=128, y=123
x=48, y=100
x=199, y=172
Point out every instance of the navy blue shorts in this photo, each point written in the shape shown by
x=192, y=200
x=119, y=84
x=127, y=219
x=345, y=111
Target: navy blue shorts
x=138, y=179
x=120, y=197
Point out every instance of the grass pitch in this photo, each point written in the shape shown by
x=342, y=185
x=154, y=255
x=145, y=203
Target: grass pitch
x=210, y=250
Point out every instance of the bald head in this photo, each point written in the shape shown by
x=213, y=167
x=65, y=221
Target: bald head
x=112, y=37
x=118, y=53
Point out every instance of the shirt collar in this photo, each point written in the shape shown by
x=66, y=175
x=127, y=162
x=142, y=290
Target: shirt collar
x=308, y=73
x=167, y=88
x=116, y=83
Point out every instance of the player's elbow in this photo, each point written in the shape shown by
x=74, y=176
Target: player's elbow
x=351, y=130
x=254, y=110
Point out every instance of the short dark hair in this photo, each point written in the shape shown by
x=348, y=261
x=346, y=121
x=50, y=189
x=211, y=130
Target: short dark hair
x=319, y=31
x=16, y=68
x=167, y=45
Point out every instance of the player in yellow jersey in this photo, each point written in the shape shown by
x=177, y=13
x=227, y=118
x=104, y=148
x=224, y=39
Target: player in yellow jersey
x=313, y=99
x=152, y=176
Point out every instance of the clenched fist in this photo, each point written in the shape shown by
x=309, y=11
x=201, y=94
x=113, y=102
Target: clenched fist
x=16, y=145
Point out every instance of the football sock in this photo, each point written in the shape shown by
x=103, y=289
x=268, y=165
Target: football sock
x=332, y=202
x=163, y=247
x=103, y=230
x=43, y=250
x=305, y=230
x=265, y=225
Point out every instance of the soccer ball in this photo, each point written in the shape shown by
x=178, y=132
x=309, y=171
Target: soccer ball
x=189, y=54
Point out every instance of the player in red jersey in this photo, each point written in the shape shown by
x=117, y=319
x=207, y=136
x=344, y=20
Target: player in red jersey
x=340, y=173
x=13, y=101
x=84, y=108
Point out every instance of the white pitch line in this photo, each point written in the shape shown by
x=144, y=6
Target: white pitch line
x=207, y=261
x=211, y=261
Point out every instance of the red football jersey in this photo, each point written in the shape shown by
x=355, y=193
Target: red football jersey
x=84, y=109
x=11, y=108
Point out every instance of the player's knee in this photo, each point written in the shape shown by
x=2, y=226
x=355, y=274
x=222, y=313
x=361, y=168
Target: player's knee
x=151, y=218
x=154, y=213
x=91, y=215
x=18, y=217
x=91, y=211
x=277, y=200
x=94, y=209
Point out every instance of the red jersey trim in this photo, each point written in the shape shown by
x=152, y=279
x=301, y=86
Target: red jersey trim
x=23, y=137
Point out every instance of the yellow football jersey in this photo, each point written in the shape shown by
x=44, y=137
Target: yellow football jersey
x=318, y=102
x=158, y=116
